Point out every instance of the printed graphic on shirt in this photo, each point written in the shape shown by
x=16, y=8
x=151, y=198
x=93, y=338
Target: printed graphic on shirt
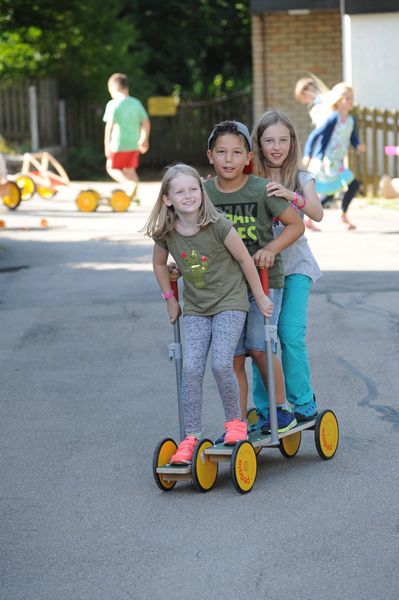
x=243, y=216
x=195, y=267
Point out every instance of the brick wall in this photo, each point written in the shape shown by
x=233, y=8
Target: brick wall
x=284, y=47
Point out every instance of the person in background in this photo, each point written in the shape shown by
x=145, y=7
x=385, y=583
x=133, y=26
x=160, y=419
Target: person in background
x=312, y=92
x=127, y=132
x=328, y=145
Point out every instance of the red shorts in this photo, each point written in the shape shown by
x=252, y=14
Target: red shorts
x=125, y=160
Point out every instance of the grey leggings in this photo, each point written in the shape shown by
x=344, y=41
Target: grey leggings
x=223, y=330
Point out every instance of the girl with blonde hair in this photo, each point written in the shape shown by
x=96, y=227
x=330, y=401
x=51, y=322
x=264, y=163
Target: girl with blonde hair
x=277, y=159
x=213, y=262
x=327, y=147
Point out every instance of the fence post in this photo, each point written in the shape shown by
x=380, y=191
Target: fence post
x=62, y=122
x=33, y=117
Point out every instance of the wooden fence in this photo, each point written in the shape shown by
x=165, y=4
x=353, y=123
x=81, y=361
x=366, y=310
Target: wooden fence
x=179, y=138
x=183, y=138
x=377, y=129
x=16, y=118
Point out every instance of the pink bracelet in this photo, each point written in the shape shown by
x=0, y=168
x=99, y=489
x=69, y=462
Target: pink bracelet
x=297, y=198
x=167, y=295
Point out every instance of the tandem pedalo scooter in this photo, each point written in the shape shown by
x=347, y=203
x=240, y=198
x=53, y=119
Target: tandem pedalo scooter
x=242, y=457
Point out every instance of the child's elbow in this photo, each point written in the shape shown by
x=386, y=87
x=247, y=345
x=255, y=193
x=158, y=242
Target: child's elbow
x=318, y=216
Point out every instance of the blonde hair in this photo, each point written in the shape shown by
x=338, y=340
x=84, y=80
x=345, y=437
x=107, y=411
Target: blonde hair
x=305, y=84
x=337, y=92
x=290, y=167
x=311, y=83
x=163, y=218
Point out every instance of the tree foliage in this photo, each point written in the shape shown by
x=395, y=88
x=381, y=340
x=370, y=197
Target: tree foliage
x=194, y=48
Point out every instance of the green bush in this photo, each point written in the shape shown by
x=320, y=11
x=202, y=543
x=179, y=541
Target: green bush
x=85, y=163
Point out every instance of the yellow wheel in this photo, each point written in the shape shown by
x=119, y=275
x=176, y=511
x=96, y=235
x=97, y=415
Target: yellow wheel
x=326, y=434
x=12, y=198
x=204, y=471
x=26, y=185
x=87, y=201
x=162, y=455
x=119, y=201
x=289, y=445
x=243, y=467
x=46, y=192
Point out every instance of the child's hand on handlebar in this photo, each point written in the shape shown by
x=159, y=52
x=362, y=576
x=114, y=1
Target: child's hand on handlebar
x=174, y=272
x=265, y=306
x=264, y=258
x=174, y=309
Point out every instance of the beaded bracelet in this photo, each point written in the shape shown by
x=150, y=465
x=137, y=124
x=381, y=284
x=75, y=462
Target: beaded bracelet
x=167, y=295
x=296, y=200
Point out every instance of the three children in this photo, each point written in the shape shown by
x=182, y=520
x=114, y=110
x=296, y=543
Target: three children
x=220, y=310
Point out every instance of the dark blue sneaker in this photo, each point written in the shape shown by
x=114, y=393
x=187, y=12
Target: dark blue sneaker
x=306, y=412
x=259, y=423
x=285, y=421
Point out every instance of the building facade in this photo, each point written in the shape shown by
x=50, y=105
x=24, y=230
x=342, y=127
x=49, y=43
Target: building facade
x=336, y=40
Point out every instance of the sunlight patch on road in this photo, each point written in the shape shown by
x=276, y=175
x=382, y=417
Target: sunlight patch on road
x=106, y=266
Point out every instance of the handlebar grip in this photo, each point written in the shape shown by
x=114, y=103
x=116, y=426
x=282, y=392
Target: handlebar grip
x=175, y=289
x=264, y=279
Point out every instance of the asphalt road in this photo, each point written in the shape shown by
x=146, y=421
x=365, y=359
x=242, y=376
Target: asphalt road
x=87, y=391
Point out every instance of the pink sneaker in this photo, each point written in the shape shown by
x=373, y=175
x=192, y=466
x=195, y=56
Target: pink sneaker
x=185, y=451
x=236, y=430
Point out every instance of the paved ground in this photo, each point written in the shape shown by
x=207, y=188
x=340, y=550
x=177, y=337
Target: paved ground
x=87, y=391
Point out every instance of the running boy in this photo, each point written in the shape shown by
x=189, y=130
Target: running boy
x=127, y=132
x=244, y=200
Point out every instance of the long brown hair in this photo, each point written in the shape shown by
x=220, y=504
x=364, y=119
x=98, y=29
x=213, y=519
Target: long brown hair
x=162, y=219
x=291, y=165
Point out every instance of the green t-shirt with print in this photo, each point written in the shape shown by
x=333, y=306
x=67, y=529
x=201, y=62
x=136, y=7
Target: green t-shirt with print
x=213, y=279
x=127, y=115
x=251, y=211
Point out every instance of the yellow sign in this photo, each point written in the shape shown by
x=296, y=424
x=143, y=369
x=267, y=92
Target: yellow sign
x=162, y=106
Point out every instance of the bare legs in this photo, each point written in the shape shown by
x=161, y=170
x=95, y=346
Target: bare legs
x=127, y=177
x=259, y=358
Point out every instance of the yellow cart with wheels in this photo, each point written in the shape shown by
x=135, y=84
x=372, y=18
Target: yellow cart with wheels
x=242, y=457
x=89, y=200
x=41, y=173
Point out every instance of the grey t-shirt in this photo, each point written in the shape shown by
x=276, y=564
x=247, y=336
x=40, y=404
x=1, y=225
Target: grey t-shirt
x=298, y=258
x=213, y=279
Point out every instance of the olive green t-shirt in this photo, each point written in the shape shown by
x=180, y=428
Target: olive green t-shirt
x=213, y=279
x=251, y=211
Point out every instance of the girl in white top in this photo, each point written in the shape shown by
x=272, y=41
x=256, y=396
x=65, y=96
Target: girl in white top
x=276, y=157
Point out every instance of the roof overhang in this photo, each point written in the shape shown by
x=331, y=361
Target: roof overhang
x=349, y=7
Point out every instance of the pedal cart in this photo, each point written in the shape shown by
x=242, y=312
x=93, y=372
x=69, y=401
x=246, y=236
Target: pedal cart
x=242, y=457
x=42, y=173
